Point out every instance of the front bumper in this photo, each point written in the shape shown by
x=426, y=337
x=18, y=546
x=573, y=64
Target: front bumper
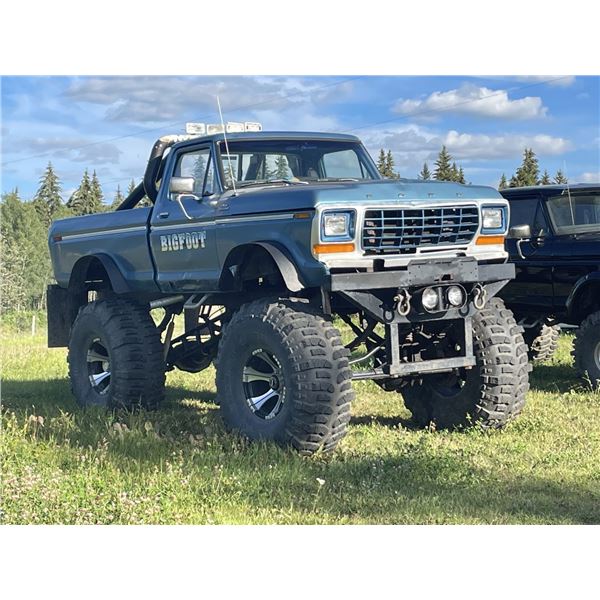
x=376, y=295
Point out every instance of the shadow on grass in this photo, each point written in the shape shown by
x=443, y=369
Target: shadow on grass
x=554, y=378
x=418, y=483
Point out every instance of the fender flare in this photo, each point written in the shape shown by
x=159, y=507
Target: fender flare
x=286, y=266
x=578, y=288
x=80, y=268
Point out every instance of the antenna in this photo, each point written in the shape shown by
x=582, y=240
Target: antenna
x=569, y=192
x=226, y=147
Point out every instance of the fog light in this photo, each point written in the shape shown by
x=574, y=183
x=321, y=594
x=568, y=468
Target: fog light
x=455, y=295
x=429, y=298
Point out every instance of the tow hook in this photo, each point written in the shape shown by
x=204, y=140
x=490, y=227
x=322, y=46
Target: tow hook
x=479, y=296
x=403, y=302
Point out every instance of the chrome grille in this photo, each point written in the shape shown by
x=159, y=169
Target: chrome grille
x=402, y=231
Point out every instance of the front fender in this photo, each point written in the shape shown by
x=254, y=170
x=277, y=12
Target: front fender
x=579, y=288
x=81, y=268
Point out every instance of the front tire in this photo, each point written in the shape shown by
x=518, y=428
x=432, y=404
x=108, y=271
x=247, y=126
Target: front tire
x=491, y=393
x=586, y=349
x=283, y=375
x=116, y=356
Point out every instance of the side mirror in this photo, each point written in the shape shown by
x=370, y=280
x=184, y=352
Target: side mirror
x=520, y=232
x=182, y=185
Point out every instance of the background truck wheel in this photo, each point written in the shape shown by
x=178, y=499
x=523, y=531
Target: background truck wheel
x=492, y=392
x=283, y=375
x=586, y=349
x=115, y=356
x=542, y=340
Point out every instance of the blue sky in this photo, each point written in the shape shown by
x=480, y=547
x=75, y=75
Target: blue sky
x=109, y=123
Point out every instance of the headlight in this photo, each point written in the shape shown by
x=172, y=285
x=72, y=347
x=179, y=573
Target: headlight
x=429, y=298
x=337, y=226
x=455, y=296
x=493, y=219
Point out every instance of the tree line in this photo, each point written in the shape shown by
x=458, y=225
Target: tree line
x=446, y=169
x=25, y=269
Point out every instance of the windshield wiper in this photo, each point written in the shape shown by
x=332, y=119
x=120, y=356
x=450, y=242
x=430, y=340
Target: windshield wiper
x=325, y=179
x=270, y=181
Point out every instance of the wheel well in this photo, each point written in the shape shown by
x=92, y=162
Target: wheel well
x=90, y=274
x=248, y=267
x=586, y=301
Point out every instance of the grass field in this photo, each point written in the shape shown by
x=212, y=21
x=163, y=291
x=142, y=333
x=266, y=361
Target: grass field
x=177, y=465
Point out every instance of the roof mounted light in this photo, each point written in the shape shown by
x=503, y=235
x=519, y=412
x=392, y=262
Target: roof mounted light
x=195, y=128
x=233, y=127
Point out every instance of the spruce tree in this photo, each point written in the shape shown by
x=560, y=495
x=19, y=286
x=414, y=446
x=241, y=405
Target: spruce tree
x=545, y=180
x=389, y=166
x=81, y=201
x=47, y=200
x=381, y=162
x=118, y=199
x=281, y=167
x=560, y=177
x=461, y=176
x=443, y=168
x=528, y=173
x=97, y=194
x=425, y=174
x=131, y=186
x=454, y=172
x=503, y=183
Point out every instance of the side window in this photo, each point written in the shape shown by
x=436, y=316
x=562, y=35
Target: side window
x=194, y=164
x=522, y=212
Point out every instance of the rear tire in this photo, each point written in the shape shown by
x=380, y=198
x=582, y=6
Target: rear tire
x=542, y=340
x=116, y=356
x=586, y=349
x=492, y=393
x=283, y=375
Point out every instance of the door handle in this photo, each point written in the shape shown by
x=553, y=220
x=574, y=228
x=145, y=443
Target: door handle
x=223, y=206
x=163, y=215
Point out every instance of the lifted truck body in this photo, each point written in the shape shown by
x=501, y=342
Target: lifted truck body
x=398, y=241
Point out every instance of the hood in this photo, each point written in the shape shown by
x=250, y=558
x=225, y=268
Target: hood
x=295, y=197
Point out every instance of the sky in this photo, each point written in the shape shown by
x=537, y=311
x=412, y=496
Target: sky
x=109, y=124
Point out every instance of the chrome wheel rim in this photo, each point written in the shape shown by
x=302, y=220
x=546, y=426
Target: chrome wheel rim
x=98, y=365
x=264, y=386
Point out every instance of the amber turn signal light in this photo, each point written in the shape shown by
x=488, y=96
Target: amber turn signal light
x=331, y=248
x=486, y=240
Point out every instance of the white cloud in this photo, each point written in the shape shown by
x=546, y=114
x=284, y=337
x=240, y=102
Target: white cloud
x=589, y=177
x=479, y=146
x=74, y=148
x=473, y=100
x=162, y=99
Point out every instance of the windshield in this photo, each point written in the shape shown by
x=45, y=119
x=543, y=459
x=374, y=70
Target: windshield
x=575, y=213
x=253, y=162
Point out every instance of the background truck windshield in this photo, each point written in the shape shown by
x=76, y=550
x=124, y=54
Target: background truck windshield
x=256, y=161
x=577, y=213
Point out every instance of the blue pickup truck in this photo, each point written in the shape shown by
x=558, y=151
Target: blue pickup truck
x=269, y=243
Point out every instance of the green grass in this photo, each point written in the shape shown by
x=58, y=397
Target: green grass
x=178, y=465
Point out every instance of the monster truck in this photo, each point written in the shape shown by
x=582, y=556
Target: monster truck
x=268, y=243
x=554, y=242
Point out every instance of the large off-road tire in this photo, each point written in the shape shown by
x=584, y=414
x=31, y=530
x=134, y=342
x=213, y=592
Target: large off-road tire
x=542, y=340
x=491, y=393
x=586, y=349
x=116, y=356
x=283, y=375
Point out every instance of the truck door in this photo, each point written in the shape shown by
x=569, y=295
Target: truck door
x=532, y=286
x=182, y=237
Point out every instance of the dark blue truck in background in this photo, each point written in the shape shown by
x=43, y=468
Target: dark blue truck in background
x=265, y=242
